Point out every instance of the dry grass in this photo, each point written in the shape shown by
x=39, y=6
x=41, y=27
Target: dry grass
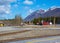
x=36, y=33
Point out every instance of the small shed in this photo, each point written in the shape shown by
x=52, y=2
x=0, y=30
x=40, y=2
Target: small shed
x=1, y=24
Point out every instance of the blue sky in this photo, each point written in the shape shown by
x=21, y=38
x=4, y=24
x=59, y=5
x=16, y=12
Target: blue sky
x=10, y=8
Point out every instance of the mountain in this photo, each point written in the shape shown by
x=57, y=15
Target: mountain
x=33, y=15
x=52, y=13
x=40, y=13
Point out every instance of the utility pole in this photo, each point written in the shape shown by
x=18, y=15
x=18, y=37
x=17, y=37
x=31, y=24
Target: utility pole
x=54, y=20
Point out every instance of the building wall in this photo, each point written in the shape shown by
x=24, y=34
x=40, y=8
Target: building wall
x=58, y=20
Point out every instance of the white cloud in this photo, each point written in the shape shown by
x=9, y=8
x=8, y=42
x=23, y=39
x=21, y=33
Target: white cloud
x=4, y=9
x=5, y=2
x=53, y=7
x=7, y=12
x=28, y=2
x=11, y=0
x=5, y=6
x=30, y=10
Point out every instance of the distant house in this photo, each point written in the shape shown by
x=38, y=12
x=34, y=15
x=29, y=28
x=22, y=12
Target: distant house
x=1, y=23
